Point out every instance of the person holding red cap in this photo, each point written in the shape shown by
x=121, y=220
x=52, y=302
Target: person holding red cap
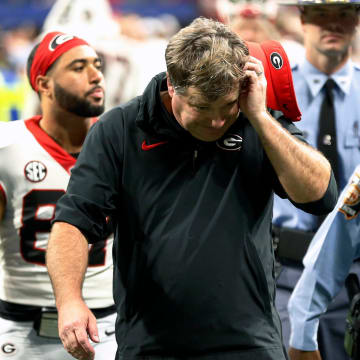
x=187, y=171
x=36, y=158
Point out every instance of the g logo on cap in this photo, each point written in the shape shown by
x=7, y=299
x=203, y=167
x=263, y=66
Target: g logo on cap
x=276, y=60
x=59, y=40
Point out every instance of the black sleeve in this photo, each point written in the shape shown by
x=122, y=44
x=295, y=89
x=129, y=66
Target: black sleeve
x=324, y=205
x=328, y=201
x=94, y=187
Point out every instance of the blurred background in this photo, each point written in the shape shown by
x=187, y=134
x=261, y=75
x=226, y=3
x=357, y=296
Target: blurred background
x=130, y=35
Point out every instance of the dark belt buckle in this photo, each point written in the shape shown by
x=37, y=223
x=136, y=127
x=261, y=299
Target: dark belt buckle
x=47, y=324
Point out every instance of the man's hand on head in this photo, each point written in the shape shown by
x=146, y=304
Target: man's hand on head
x=252, y=96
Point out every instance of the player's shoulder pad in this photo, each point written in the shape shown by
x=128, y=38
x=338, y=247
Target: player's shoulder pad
x=10, y=132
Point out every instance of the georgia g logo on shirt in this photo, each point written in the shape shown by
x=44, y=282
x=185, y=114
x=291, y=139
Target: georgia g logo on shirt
x=230, y=142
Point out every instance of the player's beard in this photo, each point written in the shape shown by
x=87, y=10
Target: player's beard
x=75, y=104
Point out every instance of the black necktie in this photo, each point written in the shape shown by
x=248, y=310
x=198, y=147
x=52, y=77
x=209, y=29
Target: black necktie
x=326, y=140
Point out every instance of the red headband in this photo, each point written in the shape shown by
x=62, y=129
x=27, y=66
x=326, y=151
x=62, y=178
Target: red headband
x=50, y=48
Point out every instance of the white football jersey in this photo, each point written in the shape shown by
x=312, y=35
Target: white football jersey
x=34, y=173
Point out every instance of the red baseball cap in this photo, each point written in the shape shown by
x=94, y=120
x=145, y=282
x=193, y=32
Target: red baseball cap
x=280, y=88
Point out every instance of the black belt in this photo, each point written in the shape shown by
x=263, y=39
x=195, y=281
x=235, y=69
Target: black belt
x=103, y=312
x=19, y=312
x=291, y=244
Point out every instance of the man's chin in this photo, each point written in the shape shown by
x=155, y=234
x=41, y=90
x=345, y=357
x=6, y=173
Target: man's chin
x=97, y=110
x=334, y=49
x=88, y=111
x=209, y=136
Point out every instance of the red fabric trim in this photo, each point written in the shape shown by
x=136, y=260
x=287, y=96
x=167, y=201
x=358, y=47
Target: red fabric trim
x=46, y=54
x=3, y=192
x=54, y=149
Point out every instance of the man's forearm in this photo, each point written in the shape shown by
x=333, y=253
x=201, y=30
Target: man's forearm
x=302, y=170
x=66, y=260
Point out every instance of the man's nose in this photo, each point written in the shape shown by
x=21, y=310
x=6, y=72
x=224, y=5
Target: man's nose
x=334, y=23
x=218, y=122
x=335, y=27
x=95, y=75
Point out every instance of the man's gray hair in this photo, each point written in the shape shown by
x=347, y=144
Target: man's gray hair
x=207, y=55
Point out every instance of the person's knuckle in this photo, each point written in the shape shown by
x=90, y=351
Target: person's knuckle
x=67, y=328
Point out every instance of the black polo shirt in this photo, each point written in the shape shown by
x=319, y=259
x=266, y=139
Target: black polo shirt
x=193, y=257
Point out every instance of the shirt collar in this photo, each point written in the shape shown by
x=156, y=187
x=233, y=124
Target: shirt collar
x=316, y=79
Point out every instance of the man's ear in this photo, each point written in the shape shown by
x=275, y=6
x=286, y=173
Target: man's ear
x=43, y=84
x=171, y=89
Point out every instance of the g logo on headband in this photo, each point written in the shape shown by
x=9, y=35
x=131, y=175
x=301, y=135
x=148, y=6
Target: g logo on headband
x=59, y=40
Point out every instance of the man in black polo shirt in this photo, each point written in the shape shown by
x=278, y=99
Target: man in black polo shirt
x=187, y=172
